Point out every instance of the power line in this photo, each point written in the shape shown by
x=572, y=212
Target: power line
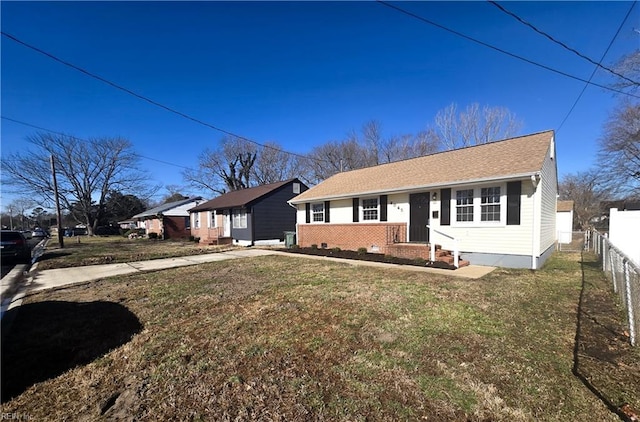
x=85, y=140
x=584, y=88
x=565, y=46
x=149, y=100
x=524, y=59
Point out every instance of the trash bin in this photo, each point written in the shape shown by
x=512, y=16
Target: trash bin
x=289, y=239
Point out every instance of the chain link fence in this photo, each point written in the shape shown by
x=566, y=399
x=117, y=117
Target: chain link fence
x=624, y=275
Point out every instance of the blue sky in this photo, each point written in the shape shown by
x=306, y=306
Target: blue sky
x=300, y=73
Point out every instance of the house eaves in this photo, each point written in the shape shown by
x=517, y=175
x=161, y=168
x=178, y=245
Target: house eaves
x=421, y=188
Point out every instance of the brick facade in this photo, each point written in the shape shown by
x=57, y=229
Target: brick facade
x=376, y=237
x=168, y=227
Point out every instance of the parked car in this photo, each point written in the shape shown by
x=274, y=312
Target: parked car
x=26, y=234
x=14, y=246
x=39, y=233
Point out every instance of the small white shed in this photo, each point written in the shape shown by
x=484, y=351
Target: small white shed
x=564, y=221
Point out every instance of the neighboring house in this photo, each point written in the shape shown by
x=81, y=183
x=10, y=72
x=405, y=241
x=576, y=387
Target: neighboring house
x=252, y=216
x=564, y=221
x=495, y=202
x=170, y=220
x=128, y=224
x=624, y=231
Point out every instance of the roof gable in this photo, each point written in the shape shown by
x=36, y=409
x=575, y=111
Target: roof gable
x=564, y=206
x=241, y=198
x=518, y=156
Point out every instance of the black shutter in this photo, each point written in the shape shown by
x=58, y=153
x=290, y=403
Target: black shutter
x=326, y=211
x=514, y=189
x=445, y=207
x=308, y=211
x=383, y=207
x=356, y=212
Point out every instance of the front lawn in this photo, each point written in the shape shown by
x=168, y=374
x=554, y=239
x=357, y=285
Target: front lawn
x=288, y=338
x=92, y=250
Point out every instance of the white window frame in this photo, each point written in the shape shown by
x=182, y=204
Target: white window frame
x=478, y=205
x=317, y=212
x=465, y=206
x=213, y=219
x=487, y=200
x=196, y=220
x=239, y=219
x=366, y=218
x=296, y=187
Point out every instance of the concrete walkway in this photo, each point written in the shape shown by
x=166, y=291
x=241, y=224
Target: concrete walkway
x=47, y=279
x=14, y=286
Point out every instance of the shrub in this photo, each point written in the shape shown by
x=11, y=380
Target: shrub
x=139, y=232
x=362, y=251
x=153, y=236
x=314, y=246
x=420, y=261
x=336, y=249
x=295, y=246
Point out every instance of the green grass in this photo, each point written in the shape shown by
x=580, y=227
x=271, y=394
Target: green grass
x=286, y=338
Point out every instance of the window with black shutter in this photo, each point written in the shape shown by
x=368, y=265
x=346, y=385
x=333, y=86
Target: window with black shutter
x=356, y=211
x=514, y=190
x=383, y=207
x=326, y=211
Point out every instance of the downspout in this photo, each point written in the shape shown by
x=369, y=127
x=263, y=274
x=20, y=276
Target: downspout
x=535, y=180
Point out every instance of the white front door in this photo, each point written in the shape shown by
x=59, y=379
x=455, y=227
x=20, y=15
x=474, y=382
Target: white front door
x=227, y=224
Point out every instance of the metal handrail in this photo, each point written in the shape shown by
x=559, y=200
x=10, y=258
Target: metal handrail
x=456, y=252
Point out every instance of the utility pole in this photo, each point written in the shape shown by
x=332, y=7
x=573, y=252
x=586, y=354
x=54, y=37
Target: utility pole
x=55, y=194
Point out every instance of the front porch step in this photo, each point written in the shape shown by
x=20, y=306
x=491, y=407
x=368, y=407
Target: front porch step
x=422, y=250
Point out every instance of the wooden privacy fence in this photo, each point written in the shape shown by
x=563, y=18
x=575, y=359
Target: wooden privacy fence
x=625, y=278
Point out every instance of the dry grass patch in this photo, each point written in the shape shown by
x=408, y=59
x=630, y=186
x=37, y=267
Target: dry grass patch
x=86, y=250
x=283, y=338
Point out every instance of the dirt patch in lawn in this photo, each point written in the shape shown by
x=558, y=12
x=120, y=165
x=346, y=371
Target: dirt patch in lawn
x=285, y=338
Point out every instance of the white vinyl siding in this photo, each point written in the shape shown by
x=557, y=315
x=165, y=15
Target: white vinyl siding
x=548, y=191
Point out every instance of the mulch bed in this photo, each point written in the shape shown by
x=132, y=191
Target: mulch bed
x=375, y=257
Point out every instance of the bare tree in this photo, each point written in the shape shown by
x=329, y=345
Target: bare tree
x=629, y=67
x=473, y=126
x=335, y=156
x=226, y=169
x=587, y=190
x=86, y=172
x=273, y=165
x=19, y=207
x=619, y=155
